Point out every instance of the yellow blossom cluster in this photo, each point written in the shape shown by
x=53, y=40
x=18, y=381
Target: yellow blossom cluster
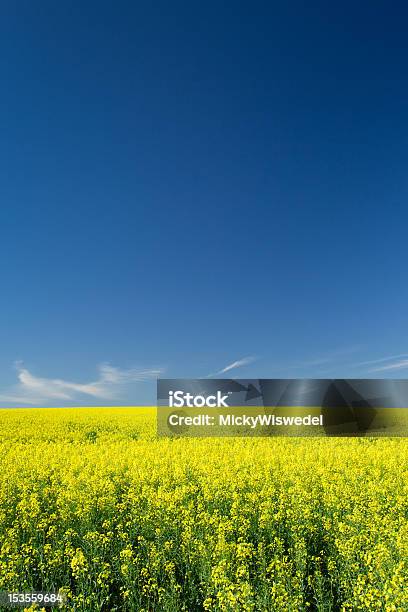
x=94, y=506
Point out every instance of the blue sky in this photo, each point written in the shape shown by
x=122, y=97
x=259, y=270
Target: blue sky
x=190, y=186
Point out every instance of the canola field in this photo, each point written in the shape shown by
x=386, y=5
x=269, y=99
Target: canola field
x=95, y=506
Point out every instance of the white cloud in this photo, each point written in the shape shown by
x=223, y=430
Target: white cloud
x=235, y=364
x=382, y=360
x=327, y=362
x=397, y=365
x=109, y=385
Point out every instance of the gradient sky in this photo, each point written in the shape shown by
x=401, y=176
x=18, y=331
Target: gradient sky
x=188, y=186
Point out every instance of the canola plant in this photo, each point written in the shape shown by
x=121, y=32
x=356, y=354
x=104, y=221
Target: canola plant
x=96, y=508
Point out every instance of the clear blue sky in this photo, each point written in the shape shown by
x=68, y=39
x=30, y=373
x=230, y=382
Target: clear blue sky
x=184, y=185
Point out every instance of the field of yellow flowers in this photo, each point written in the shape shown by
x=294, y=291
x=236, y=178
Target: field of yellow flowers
x=94, y=505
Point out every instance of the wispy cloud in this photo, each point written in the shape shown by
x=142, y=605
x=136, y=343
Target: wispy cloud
x=402, y=364
x=235, y=364
x=308, y=363
x=327, y=362
x=385, y=364
x=109, y=385
x=382, y=359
